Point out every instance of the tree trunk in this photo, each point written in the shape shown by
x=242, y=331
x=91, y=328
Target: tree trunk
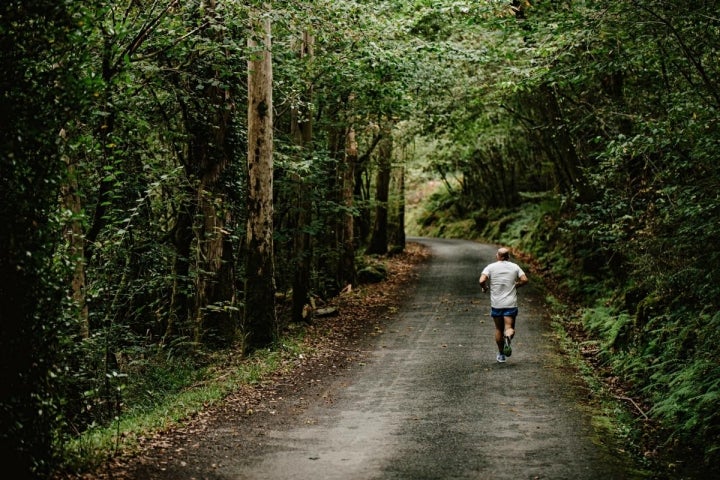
x=104, y=132
x=182, y=238
x=328, y=258
x=260, y=319
x=301, y=131
x=212, y=306
x=379, y=240
x=400, y=232
x=554, y=135
x=75, y=240
x=37, y=101
x=347, y=273
x=362, y=189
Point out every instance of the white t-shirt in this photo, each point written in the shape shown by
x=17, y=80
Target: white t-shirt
x=502, y=276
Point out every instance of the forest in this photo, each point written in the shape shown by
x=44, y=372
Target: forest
x=182, y=182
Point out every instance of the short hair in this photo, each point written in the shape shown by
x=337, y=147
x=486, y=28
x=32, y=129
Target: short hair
x=503, y=253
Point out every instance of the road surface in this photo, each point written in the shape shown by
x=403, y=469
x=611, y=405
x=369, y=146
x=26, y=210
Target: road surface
x=433, y=403
x=429, y=401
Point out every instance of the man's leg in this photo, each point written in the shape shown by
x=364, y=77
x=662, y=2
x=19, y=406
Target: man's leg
x=508, y=333
x=509, y=326
x=499, y=331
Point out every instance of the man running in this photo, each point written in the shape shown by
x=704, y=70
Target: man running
x=504, y=278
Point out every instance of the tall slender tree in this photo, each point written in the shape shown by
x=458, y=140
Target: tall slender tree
x=379, y=238
x=301, y=132
x=208, y=122
x=348, y=273
x=260, y=317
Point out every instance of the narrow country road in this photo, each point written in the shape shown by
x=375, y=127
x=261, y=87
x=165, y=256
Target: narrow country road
x=431, y=402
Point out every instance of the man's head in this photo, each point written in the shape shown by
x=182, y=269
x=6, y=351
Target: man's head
x=503, y=254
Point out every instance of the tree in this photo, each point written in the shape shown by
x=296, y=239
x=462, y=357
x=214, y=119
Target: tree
x=38, y=92
x=379, y=239
x=347, y=272
x=208, y=120
x=301, y=133
x=260, y=316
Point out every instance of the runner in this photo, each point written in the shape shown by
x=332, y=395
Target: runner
x=503, y=278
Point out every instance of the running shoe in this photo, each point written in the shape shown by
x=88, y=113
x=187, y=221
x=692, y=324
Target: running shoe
x=507, y=349
x=501, y=358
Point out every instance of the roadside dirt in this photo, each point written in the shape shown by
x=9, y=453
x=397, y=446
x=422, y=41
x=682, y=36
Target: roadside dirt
x=403, y=384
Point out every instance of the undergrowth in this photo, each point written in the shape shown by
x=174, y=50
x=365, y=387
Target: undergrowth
x=174, y=391
x=612, y=419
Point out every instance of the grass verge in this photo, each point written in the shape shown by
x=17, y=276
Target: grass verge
x=127, y=433
x=617, y=420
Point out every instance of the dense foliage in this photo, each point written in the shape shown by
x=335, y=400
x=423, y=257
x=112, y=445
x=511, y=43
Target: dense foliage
x=125, y=251
x=582, y=132
x=38, y=95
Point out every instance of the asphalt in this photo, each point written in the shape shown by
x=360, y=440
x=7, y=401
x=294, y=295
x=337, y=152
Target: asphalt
x=431, y=402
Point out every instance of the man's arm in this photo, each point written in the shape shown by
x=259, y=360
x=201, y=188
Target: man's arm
x=483, y=282
x=521, y=281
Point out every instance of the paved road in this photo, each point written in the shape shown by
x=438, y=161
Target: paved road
x=431, y=402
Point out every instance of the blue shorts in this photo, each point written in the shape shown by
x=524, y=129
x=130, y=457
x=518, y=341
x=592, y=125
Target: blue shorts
x=504, y=312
